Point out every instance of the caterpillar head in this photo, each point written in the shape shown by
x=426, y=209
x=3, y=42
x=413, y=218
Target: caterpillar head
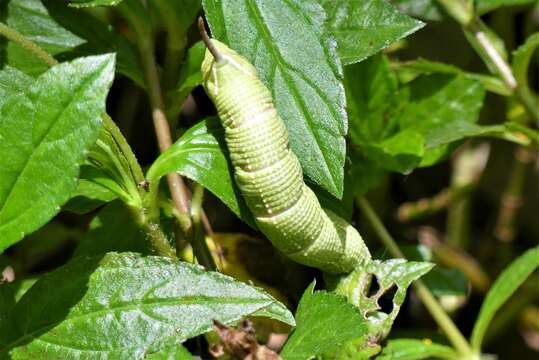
x=222, y=65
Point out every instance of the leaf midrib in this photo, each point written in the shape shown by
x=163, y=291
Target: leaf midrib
x=139, y=304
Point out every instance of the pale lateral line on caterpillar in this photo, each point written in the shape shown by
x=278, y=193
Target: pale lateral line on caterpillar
x=301, y=229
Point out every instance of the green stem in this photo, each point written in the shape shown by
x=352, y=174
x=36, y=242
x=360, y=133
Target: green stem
x=460, y=10
x=439, y=315
x=199, y=242
x=13, y=35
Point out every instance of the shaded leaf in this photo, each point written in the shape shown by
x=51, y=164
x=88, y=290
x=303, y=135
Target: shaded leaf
x=297, y=60
x=521, y=62
x=441, y=107
x=31, y=19
x=10, y=294
x=363, y=28
x=443, y=282
x=200, y=154
x=484, y=6
x=504, y=286
x=51, y=127
x=124, y=306
x=408, y=71
x=324, y=322
x=92, y=3
x=190, y=77
x=88, y=196
x=177, y=352
x=401, y=128
x=362, y=174
x=429, y=10
x=99, y=38
x=113, y=229
x=413, y=349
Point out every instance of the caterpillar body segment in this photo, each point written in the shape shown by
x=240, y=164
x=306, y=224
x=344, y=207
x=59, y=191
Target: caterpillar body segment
x=269, y=174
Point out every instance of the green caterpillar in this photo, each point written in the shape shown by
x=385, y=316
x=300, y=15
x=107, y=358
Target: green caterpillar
x=269, y=174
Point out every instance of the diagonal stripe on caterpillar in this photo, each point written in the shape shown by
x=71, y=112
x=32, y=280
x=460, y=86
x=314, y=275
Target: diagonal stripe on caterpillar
x=268, y=173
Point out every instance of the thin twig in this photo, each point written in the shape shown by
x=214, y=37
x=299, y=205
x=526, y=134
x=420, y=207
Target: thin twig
x=176, y=184
x=439, y=315
x=454, y=258
x=511, y=200
x=200, y=248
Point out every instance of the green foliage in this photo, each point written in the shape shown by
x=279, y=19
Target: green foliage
x=112, y=229
x=413, y=349
x=325, y=321
x=363, y=28
x=91, y=3
x=124, y=305
x=484, y=6
x=506, y=284
x=51, y=125
x=177, y=352
x=361, y=101
x=403, y=127
x=88, y=196
x=200, y=154
x=32, y=20
x=303, y=73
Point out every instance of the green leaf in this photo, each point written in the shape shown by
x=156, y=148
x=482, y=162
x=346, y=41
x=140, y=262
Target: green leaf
x=44, y=244
x=190, y=77
x=45, y=134
x=13, y=81
x=401, y=128
x=99, y=38
x=324, y=322
x=88, y=196
x=363, y=28
x=362, y=174
x=504, y=286
x=413, y=349
x=387, y=274
x=91, y=3
x=200, y=154
x=32, y=20
x=521, y=62
x=446, y=282
x=10, y=294
x=115, y=166
x=297, y=60
x=408, y=71
x=443, y=108
x=371, y=91
x=484, y=6
x=429, y=10
x=113, y=229
x=178, y=15
x=122, y=306
x=177, y=352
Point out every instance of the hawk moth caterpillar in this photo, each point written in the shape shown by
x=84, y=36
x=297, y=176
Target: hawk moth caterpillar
x=268, y=173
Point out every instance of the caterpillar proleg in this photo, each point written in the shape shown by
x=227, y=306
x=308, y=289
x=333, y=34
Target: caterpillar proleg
x=268, y=173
